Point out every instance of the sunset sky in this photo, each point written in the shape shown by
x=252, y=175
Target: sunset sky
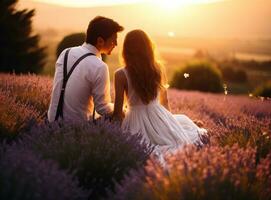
x=172, y=18
x=85, y=3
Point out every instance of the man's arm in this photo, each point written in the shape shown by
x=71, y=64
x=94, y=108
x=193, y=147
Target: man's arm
x=101, y=92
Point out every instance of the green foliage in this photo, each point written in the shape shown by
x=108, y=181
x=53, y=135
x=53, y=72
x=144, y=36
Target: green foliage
x=71, y=40
x=203, y=76
x=229, y=74
x=74, y=39
x=247, y=64
x=263, y=90
x=19, y=50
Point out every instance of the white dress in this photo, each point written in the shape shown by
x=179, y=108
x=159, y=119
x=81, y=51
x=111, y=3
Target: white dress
x=157, y=125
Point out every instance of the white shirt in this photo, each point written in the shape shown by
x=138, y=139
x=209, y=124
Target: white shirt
x=89, y=81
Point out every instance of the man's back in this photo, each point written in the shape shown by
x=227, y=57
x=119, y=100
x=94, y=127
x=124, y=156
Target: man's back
x=90, y=78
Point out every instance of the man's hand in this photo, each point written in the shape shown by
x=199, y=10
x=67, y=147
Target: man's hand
x=109, y=116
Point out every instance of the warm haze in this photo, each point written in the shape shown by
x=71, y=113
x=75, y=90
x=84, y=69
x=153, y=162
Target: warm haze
x=86, y=3
x=228, y=19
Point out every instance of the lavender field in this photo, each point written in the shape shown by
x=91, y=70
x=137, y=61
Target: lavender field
x=88, y=161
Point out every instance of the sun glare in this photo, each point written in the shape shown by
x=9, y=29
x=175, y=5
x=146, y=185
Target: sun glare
x=173, y=5
x=171, y=34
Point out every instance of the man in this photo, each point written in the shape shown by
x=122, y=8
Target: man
x=88, y=82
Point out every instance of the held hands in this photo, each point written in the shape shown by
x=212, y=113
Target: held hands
x=118, y=117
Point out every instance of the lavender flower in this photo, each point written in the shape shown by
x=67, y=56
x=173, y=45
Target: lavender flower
x=211, y=173
x=97, y=155
x=101, y=156
x=24, y=175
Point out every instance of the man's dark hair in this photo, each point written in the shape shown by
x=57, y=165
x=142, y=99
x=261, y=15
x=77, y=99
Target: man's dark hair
x=101, y=27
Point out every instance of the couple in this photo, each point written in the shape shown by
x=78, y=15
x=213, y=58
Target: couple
x=86, y=80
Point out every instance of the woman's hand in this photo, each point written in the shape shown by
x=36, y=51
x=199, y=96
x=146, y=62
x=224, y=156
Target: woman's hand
x=120, y=85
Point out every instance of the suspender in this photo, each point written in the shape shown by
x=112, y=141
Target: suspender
x=66, y=76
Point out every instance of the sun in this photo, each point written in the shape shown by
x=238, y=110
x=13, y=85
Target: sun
x=173, y=5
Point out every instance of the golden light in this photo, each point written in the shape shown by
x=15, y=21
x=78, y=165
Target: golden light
x=186, y=75
x=174, y=5
x=171, y=5
x=171, y=34
x=87, y=3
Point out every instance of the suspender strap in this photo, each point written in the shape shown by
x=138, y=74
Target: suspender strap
x=66, y=76
x=93, y=115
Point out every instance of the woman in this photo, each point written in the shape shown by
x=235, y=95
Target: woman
x=141, y=80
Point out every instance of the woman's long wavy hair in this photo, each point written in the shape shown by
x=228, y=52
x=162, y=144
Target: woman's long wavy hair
x=143, y=69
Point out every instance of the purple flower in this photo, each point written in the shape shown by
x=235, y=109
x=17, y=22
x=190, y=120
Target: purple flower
x=24, y=175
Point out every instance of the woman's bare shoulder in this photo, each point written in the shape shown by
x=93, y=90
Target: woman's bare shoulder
x=119, y=74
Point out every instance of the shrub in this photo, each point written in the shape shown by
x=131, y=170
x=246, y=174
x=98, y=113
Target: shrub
x=247, y=64
x=263, y=90
x=240, y=75
x=212, y=173
x=203, y=76
x=24, y=175
x=75, y=39
x=229, y=74
x=71, y=40
x=99, y=154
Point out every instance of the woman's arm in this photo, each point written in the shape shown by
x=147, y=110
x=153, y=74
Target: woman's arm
x=163, y=89
x=120, y=85
x=163, y=98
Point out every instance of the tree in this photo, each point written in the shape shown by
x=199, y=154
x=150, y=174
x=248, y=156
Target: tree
x=233, y=75
x=263, y=90
x=19, y=49
x=71, y=40
x=201, y=76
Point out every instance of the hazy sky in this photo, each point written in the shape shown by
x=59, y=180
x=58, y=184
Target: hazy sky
x=188, y=18
x=84, y=3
